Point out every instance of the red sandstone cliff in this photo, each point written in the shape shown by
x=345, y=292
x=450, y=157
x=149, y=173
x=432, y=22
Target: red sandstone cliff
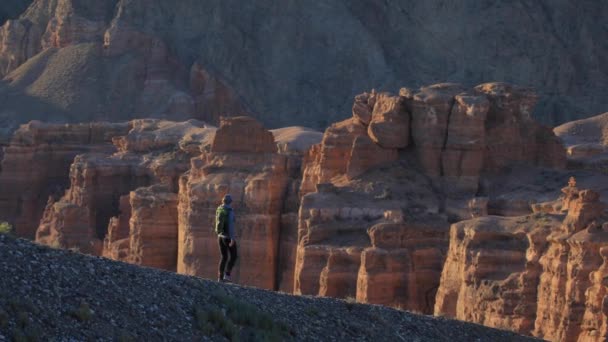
x=36, y=165
x=364, y=213
x=538, y=274
x=152, y=152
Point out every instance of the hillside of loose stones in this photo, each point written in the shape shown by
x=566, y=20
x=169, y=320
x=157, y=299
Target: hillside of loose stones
x=50, y=294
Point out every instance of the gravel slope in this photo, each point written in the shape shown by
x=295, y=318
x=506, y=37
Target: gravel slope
x=57, y=295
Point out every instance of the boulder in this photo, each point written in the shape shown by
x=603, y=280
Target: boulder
x=390, y=122
x=366, y=155
x=430, y=109
x=364, y=106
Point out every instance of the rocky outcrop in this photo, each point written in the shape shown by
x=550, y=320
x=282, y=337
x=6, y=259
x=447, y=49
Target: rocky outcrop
x=586, y=143
x=573, y=253
x=594, y=326
x=492, y=271
x=403, y=266
x=431, y=109
x=148, y=57
x=36, y=165
x=512, y=134
x=390, y=122
x=153, y=228
x=372, y=167
x=547, y=282
x=293, y=142
x=254, y=173
x=153, y=152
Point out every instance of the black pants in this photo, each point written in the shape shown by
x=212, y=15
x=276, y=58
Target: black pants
x=225, y=248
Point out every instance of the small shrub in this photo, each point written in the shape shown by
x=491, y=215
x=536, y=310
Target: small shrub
x=311, y=311
x=28, y=334
x=19, y=336
x=125, y=337
x=83, y=313
x=23, y=320
x=3, y=319
x=202, y=320
x=236, y=315
x=5, y=228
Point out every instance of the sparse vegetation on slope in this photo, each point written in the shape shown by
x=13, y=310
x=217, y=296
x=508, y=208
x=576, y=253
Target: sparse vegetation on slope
x=49, y=294
x=5, y=228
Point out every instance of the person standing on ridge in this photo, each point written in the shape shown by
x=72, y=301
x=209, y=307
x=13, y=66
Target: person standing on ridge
x=226, y=238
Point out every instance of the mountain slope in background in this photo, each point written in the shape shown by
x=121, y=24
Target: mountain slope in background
x=297, y=62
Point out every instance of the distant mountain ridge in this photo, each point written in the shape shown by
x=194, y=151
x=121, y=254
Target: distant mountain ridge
x=290, y=63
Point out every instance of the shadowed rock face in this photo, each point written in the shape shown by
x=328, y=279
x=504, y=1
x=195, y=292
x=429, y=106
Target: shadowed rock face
x=290, y=63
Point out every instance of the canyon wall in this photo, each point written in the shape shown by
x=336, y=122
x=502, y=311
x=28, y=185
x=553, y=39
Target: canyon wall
x=381, y=188
x=77, y=60
x=36, y=165
x=373, y=208
x=538, y=274
x=153, y=152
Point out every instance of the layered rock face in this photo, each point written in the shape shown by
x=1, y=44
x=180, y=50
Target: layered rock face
x=537, y=274
x=293, y=142
x=243, y=160
x=492, y=271
x=586, y=142
x=204, y=58
x=153, y=152
x=402, y=267
x=36, y=165
x=400, y=169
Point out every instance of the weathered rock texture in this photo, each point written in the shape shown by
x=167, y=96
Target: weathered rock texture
x=355, y=195
x=36, y=165
x=400, y=169
x=539, y=274
x=83, y=60
x=243, y=160
x=362, y=210
x=586, y=142
x=153, y=152
x=292, y=142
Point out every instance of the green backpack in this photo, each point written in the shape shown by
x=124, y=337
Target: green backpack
x=221, y=220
